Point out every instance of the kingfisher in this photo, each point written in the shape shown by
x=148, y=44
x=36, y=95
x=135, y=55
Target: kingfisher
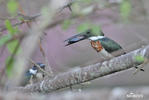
x=102, y=44
x=34, y=74
x=99, y=42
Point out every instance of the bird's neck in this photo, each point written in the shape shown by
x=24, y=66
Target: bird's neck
x=95, y=38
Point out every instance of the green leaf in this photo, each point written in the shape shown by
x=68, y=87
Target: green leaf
x=66, y=24
x=4, y=39
x=83, y=27
x=12, y=6
x=9, y=66
x=12, y=45
x=10, y=27
x=96, y=30
x=20, y=18
x=125, y=9
x=76, y=8
x=139, y=58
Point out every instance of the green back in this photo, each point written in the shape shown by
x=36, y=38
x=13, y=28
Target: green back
x=109, y=45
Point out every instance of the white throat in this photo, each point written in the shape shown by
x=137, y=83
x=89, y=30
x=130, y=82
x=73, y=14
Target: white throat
x=94, y=38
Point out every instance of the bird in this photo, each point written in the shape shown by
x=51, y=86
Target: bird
x=34, y=74
x=99, y=42
x=102, y=44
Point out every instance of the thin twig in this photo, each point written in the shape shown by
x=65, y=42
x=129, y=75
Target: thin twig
x=48, y=67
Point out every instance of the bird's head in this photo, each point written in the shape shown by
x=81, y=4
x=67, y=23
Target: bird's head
x=89, y=34
x=34, y=69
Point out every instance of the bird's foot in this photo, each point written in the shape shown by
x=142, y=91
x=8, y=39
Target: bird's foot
x=139, y=68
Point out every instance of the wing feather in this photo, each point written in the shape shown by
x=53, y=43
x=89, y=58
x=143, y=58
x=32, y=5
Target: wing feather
x=110, y=45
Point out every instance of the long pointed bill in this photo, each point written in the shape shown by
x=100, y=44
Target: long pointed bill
x=76, y=38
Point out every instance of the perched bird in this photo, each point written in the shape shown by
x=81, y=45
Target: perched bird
x=99, y=42
x=34, y=74
x=102, y=44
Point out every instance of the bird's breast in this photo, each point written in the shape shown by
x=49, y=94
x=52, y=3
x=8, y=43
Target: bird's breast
x=39, y=76
x=96, y=45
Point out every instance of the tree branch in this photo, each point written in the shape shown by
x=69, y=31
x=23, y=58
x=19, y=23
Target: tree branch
x=81, y=75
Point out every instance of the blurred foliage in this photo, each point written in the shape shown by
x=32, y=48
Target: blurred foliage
x=12, y=6
x=66, y=24
x=9, y=66
x=12, y=31
x=81, y=10
x=4, y=39
x=12, y=46
x=96, y=29
x=87, y=10
x=125, y=9
x=10, y=28
x=78, y=9
x=82, y=7
x=83, y=27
